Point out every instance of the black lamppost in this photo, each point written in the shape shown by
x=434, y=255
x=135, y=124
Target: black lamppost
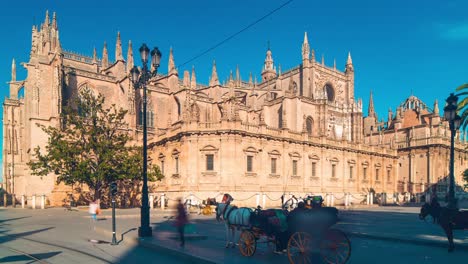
x=139, y=81
x=450, y=114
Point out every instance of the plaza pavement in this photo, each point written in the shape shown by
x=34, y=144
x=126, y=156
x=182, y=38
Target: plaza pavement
x=393, y=223
x=392, y=234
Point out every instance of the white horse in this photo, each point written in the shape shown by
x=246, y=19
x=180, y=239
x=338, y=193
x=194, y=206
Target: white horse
x=190, y=203
x=233, y=217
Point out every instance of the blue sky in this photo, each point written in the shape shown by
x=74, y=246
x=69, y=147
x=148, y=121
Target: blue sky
x=398, y=47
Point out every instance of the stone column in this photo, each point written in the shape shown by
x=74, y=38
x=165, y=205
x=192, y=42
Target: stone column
x=33, y=201
x=163, y=201
x=151, y=201
x=43, y=201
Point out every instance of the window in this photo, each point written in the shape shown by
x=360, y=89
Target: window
x=294, y=167
x=162, y=167
x=177, y=165
x=149, y=118
x=249, y=163
x=273, y=165
x=314, y=169
x=364, y=172
x=333, y=170
x=377, y=171
x=388, y=175
x=350, y=172
x=209, y=162
x=309, y=122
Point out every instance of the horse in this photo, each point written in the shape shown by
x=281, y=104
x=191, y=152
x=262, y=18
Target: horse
x=189, y=203
x=233, y=217
x=448, y=219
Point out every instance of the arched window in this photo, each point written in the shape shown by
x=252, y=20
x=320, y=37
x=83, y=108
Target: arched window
x=330, y=92
x=149, y=115
x=309, y=125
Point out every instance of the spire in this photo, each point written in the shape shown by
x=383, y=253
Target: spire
x=47, y=19
x=313, y=55
x=436, y=107
x=193, y=81
x=370, y=110
x=118, y=48
x=238, y=80
x=250, y=79
x=105, y=59
x=186, y=79
x=214, y=76
x=305, y=48
x=58, y=47
x=279, y=69
x=54, y=21
x=94, y=55
x=349, y=61
x=130, y=62
x=13, y=70
x=171, y=68
x=269, y=70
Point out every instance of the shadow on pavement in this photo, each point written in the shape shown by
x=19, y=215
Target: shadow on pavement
x=23, y=257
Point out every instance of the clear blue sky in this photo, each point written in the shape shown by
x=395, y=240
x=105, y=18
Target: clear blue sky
x=398, y=47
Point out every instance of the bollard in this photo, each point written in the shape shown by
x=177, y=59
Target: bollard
x=22, y=201
x=43, y=201
x=368, y=198
x=33, y=201
x=263, y=200
x=257, y=199
x=346, y=200
x=163, y=201
x=151, y=201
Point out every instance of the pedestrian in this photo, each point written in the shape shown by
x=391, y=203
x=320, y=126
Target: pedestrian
x=93, y=210
x=181, y=221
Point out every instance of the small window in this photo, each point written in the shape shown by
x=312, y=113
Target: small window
x=273, y=165
x=249, y=163
x=162, y=167
x=294, y=167
x=350, y=172
x=177, y=165
x=364, y=171
x=209, y=162
x=333, y=170
x=377, y=171
x=314, y=169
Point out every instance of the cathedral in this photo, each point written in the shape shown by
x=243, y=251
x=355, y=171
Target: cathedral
x=294, y=132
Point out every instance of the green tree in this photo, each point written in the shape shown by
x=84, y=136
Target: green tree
x=463, y=112
x=91, y=147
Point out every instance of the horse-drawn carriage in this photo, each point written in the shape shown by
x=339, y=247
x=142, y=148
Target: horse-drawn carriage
x=303, y=232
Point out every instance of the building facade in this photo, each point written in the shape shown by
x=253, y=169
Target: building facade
x=300, y=131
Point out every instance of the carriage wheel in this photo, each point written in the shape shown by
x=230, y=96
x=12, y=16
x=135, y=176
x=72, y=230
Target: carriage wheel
x=247, y=243
x=299, y=248
x=335, y=247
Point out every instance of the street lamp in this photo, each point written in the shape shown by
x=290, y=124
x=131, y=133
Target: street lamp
x=140, y=80
x=450, y=114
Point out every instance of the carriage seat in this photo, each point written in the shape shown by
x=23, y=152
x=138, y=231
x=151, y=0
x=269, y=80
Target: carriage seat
x=270, y=221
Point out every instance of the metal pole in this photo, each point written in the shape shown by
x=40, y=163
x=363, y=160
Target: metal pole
x=145, y=229
x=114, y=238
x=451, y=198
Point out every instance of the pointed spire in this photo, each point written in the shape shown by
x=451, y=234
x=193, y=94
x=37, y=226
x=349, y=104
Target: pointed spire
x=313, y=56
x=214, y=81
x=279, y=69
x=130, y=62
x=193, y=81
x=58, y=47
x=371, y=111
x=349, y=61
x=269, y=70
x=171, y=68
x=186, y=79
x=54, y=21
x=94, y=55
x=250, y=79
x=105, y=57
x=238, y=80
x=230, y=77
x=305, y=48
x=436, y=107
x=118, y=48
x=47, y=19
x=13, y=70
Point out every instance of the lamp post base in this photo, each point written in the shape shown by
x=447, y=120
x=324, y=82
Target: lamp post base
x=145, y=231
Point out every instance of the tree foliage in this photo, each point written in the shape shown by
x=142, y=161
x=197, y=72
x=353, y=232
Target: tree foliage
x=91, y=147
x=463, y=105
